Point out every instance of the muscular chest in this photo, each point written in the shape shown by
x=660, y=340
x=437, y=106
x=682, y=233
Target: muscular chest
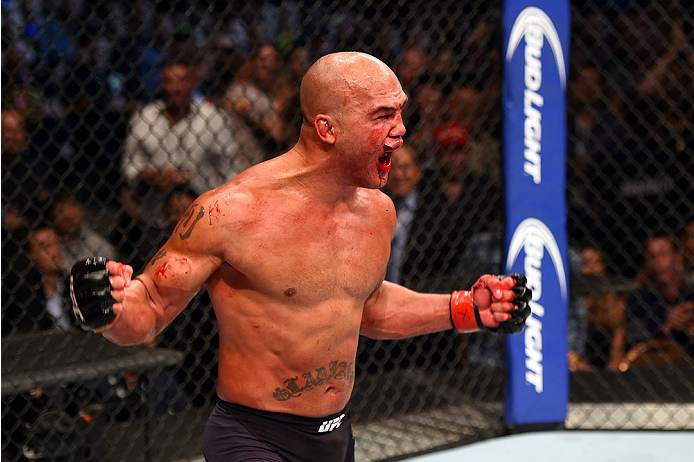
x=312, y=259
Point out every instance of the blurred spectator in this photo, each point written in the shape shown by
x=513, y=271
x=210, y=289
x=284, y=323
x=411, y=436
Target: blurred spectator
x=405, y=173
x=457, y=205
x=444, y=68
x=23, y=303
x=46, y=279
x=604, y=345
x=285, y=91
x=249, y=97
x=47, y=254
x=78, y=238
x=411, y=67
x=19, y=72
x=424, y=114
x=24, y=193
x=175, y=140
x=664, y=307
x=478, y=111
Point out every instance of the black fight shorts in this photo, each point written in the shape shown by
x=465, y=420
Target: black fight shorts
x=238, y=433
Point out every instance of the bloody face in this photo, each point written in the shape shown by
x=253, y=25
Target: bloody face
x=372, y=129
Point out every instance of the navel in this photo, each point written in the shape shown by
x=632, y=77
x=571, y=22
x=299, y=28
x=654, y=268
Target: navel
x=290, y=292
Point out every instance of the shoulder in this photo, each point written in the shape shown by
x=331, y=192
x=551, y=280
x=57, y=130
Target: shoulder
x=150, y=112
x=233, y=204
x=379, y=204
x=382, y=200
x=209, y=222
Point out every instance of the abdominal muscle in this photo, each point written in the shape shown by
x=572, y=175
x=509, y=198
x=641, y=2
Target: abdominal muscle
x=294, y=360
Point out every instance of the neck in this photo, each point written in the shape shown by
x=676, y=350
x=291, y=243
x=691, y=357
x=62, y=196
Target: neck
x=175, y=113
x=319, y=174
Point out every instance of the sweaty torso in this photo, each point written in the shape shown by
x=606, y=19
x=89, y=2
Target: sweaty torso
x=290, y=294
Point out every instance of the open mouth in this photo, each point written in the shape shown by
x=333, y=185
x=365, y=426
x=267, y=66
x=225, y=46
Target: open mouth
x=385, y=159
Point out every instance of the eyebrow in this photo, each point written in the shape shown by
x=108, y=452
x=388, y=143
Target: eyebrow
x=387, y=109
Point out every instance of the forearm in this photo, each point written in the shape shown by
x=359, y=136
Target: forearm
x=397, y=312
x=140, y=317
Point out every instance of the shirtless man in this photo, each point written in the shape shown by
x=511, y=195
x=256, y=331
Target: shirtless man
x=293, y=253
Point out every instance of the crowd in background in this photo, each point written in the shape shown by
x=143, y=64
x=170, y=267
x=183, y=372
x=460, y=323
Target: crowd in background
x=116, y=115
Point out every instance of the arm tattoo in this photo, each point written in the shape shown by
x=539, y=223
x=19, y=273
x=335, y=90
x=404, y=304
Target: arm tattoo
x=295, y=387
x=185, y=220
x=157, y=256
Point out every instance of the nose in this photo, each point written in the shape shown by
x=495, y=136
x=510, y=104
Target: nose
x=399, y=130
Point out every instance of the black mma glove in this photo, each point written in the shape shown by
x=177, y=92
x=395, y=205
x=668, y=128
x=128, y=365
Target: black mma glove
x=466, y=317
x=90, y=291
x=522, y=311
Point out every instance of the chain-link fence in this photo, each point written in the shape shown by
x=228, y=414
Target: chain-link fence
x=631, y=212
x=116, y=115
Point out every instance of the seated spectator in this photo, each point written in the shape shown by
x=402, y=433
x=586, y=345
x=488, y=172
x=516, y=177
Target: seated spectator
x=663, y=308
x=249, y=97
x=458, y=204
x=604, y=346
x=45, y=279
x=453, y=230
x=174, y=140
x=78, y=238
x=46, y=252
x=402, y=188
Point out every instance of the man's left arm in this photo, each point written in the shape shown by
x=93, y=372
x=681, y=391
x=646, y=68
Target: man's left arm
x=498, y=304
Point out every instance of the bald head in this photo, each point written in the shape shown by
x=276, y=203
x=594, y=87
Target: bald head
x=335, y=78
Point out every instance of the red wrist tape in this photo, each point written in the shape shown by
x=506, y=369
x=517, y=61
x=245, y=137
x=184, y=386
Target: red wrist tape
x=464, y=315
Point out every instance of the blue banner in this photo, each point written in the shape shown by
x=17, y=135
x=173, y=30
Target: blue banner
x=536, y=52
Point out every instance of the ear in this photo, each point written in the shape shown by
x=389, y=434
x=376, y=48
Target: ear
x=324, y=127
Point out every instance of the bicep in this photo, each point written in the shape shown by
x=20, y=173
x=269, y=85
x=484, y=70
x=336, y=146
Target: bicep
x=381, y=306
x=180, y=268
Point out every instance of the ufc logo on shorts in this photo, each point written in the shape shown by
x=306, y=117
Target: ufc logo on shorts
x=330, y=425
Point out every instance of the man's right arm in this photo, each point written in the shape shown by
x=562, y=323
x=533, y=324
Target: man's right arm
x=143, y=306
